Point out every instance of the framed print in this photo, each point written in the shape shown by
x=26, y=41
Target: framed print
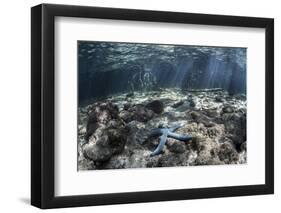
x=139, y=106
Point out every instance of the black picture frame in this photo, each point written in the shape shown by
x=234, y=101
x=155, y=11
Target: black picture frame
x=43, y=117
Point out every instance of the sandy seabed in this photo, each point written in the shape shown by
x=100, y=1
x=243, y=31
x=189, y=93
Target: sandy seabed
x=114, y=133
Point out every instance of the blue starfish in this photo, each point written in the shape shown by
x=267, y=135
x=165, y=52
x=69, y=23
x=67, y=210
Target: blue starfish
x=164, y=133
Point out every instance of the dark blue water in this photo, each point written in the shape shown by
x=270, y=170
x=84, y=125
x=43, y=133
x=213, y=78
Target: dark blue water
x=107, y=68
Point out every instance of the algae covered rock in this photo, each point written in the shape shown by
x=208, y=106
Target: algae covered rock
x=112, y=141
x=156, y=106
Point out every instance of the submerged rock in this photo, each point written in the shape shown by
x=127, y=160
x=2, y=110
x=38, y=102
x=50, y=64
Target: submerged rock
x=126, y=116
x=126, y=106
x=141, y=113
x=176, y=146
x=137, y=112
x=129, y=95
x=173, y=159
x=227, y=109
x=156, y=106
x=195, y=115
x=243, y=146
x=227, y=153
x=177, y=104
x=191, y=103
x=219, y=99
x=101, y=148
x=206, y=151
x=241, y=97
x=235, y=126
x=100, y=114
x=213, y=113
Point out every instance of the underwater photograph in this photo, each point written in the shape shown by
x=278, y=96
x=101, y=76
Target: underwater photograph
x=144, y=105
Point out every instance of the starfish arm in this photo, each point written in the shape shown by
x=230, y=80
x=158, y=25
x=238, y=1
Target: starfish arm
x=184, y=138
x=156, y=133
x=175, y=127
x=160, y=147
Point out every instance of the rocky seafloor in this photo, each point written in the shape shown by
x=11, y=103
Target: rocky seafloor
x=114, y=133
